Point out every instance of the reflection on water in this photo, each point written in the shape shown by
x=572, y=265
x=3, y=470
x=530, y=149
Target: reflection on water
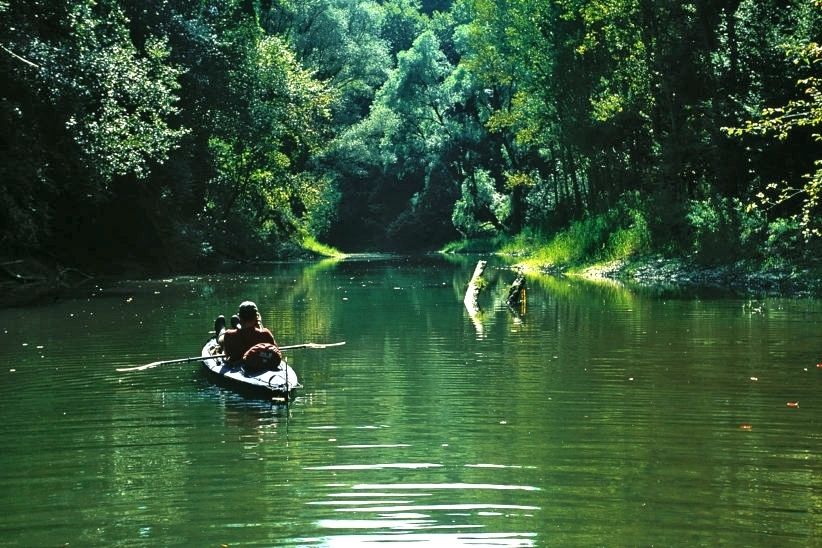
x=597, y=416
x=406, y=508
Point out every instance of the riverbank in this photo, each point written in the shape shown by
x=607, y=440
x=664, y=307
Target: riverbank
x=620, y=245
x=740, y=276
x=38, y=279
x=32, y=281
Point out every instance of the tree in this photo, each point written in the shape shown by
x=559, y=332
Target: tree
x=802, y=202
x=261, y=188
x=403, y=22
x=86, y=108
x=341, y=42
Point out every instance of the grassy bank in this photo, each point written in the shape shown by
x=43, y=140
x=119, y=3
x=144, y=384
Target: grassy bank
x=310, y=244
x=616, y=235
x=620, y=245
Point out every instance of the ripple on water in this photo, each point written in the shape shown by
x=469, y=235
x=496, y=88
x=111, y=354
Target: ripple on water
x=416, y=512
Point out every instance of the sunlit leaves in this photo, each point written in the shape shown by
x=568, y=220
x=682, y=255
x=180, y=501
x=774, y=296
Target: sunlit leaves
x=480, y=208
x=287, y=98
x=83, y=107
x=119, y=102
x=279, y=119
x=519, y=179
x=128, y=127
x=782, y=121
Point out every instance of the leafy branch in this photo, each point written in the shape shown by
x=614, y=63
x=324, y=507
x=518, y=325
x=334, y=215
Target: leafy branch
x=780, y=122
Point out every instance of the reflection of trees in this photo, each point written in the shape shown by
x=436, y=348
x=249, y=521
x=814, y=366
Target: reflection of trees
x=632, y=386
x=293, y=299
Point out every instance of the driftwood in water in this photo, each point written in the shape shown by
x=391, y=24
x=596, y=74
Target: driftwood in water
x=474, y=287
x=516, y=293
x=517, y=300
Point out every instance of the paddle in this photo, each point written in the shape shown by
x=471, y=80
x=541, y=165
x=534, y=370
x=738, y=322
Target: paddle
x=200, y=358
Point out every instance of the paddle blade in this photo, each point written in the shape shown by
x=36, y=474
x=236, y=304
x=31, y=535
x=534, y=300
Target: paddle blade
x=140, y=367
x=320, y=345
x=311, y=345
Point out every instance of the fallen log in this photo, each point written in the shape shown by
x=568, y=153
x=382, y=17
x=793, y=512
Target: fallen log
x=474, y=287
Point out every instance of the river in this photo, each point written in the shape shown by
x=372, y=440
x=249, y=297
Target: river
x=594, y=416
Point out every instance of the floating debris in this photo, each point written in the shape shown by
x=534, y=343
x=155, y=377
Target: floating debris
x=746, y=426
x=793, y=404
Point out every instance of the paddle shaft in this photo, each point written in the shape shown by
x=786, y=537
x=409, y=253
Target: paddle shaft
x=200, y=358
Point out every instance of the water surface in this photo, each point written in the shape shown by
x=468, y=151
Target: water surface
x=594, y=416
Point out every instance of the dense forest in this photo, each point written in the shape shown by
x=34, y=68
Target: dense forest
x=174, y=132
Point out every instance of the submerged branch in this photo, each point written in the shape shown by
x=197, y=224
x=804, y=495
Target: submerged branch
x=23, y=59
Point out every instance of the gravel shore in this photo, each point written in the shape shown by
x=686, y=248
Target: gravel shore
x=741, y=277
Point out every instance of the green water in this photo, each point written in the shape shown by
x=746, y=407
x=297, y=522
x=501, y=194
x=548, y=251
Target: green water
x=599, y=417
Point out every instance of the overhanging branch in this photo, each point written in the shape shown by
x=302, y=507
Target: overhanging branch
x=24, y=60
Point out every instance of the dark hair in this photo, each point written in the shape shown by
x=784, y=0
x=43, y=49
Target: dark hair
x=248, y=311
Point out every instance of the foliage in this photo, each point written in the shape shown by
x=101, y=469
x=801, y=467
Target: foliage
x=84, y=107
x=481, y=208
x=394, y=160
x=803, y=202
x=238, y=129
x=723, y=229
x=260, y=150
x=783, y=238
x=343, y=43
x=619, y=233
x=403, y=22
x=126, y=126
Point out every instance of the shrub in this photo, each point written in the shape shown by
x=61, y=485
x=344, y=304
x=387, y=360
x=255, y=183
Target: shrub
x=631, y=240
x=616, y=234
x=784, y=239
x=723, y=229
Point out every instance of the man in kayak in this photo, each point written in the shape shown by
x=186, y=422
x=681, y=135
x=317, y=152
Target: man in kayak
x=244, y=342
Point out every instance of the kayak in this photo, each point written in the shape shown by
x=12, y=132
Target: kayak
x=279, y=383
